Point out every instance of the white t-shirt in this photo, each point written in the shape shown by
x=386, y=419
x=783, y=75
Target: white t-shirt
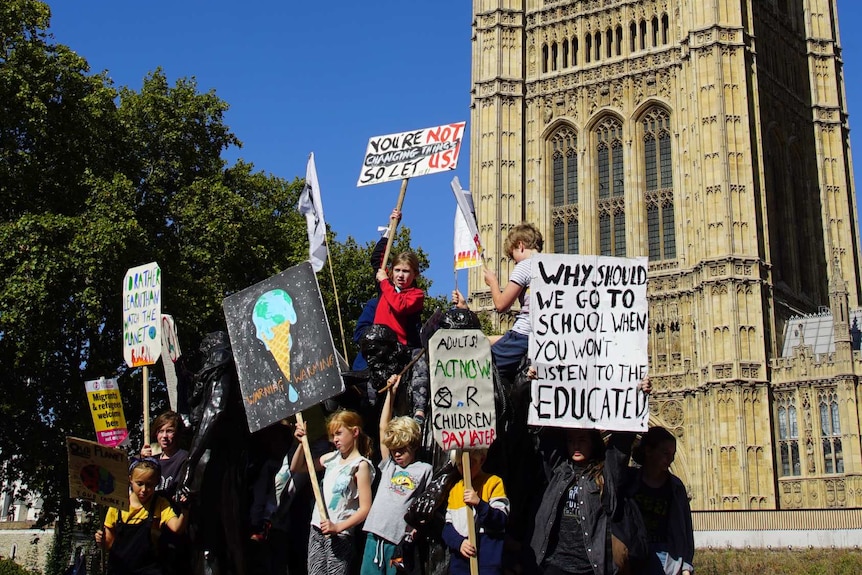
x=521, y=276
x=340, y=488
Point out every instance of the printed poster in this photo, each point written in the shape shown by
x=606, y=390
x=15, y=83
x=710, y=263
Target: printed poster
x=103, y=395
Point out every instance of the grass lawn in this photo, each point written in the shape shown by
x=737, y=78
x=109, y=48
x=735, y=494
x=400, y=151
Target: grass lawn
x=778, y=562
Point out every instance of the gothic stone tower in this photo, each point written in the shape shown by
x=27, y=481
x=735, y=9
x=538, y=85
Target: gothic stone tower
x=712, y=138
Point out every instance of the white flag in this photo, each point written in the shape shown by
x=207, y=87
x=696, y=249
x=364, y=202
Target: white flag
x=466, y=253
x=312, y=208
x=465, y=204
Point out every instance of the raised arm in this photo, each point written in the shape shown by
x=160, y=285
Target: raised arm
x=386, y=412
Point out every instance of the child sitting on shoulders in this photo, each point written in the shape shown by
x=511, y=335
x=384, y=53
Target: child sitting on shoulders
x=402, y=479
x=488, y=503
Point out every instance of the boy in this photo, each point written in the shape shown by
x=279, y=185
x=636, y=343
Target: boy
x=488, y=503
x=402, y=478
x=522, y=243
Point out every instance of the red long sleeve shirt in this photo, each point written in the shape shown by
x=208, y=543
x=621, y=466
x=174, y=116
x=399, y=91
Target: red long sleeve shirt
x=396, y=307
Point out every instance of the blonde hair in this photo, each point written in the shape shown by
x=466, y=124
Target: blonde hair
x=523, y=232
x=455, y=454
x=402, y=432
x=350, y=420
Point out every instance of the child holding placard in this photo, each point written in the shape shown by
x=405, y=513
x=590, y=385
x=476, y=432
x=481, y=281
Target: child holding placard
x=346, y=492
x=487, y=502
x=131, y=536
x=402, y=479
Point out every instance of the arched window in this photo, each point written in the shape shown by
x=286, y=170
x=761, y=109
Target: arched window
x=588, y=48
x=788, y=436
x=658, y=176
x=665, y=28
x=574, y=51
x=564, y=182
x=619, y=43
x=654, y=31
x=611, y=187
x=609, y=37
x=643, y=35
x=554, y=56
x=566, y=53
x=830, y=432
x=544, y=58
x=633, y=37
x=598, y=40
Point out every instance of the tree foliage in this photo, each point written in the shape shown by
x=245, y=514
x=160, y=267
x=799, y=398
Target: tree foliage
x=93, y=181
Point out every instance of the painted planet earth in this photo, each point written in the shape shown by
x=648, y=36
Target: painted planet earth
x=97, y=479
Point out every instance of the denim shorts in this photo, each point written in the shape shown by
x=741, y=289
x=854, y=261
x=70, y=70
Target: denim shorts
x=508, y=352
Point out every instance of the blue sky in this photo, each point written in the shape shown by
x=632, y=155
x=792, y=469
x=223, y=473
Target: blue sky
x=324, y=77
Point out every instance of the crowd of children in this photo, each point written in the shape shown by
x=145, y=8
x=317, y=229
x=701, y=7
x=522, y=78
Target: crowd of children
x=593, y=514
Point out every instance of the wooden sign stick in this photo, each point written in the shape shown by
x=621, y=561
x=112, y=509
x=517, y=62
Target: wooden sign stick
x=146, y=384
x=471, y=521
x=312, y=471
x=393, y=223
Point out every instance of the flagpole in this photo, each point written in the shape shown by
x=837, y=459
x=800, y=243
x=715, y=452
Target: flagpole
x=337, y=304
x=393, y=223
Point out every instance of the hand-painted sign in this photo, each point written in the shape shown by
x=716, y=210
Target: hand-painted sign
x=142, y=315
x=588, y=342
x=103, y=395
x=98, y=473
x=282, y=345
x=411, y=154
x=170, y=353
x=462, y=389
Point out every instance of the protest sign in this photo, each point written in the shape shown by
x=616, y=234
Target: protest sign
x=170, y=353
x=462, y=389
x=282, y=345
x=588, y=342
x=466, y=253
x=142, y=315
x=103, y=395
x=97, y=473
x=410, y=154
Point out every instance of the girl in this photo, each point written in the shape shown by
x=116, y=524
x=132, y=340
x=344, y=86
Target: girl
x=168, y=427
x=346, y=493
x=131, y=536
x=663, y=503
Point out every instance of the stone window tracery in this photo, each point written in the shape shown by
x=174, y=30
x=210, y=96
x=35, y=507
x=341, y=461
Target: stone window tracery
x=564, y=182
x=658, y=172
x=788, y=435
x=611, y=187
x=830, y=432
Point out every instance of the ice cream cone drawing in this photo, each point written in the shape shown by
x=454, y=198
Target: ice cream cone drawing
x=272, y=316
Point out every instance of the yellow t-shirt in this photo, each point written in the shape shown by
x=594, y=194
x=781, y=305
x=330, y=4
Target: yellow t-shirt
x=162, y=510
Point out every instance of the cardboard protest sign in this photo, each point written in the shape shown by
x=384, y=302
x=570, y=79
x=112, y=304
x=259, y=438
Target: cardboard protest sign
x=588, y=342
x=103, y=395
x=411, y=154
x=142, y=315
x=97, y=473
x=282, y=346
x=170, y=353
x=462, y=389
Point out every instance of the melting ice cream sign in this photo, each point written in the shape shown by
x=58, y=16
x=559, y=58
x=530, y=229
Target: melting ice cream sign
x=142, y=315
x=285, y=358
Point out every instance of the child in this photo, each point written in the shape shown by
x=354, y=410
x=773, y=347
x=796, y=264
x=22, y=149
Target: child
x=663, y=503
x=400, y=308
x=167, y=427
x=402, y=479
x=131, y=536
x=346, y=493
x=488, y=503
x=522, y=243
